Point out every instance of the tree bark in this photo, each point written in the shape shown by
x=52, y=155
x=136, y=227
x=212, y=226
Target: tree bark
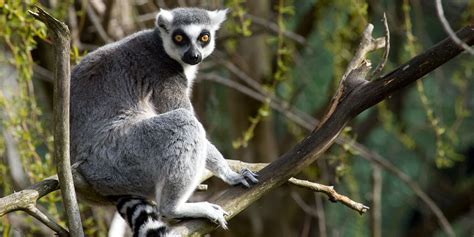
x=61, y=39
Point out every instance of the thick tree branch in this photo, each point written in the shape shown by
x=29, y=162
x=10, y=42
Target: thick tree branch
x=61, y=39
x=356, y=96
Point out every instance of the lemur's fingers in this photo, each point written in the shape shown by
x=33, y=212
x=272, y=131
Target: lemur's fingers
x=244, y=182
x=253, y=173
x=219, y=217
x=223, y=224
x=249, y=175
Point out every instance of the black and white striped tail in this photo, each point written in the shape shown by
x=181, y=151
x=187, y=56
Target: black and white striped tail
x=142, y=217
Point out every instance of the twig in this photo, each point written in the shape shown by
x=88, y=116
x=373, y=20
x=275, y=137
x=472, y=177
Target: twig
x=12, y=158
x=76, y=39
x=321, y=216
x=46, y=219
x=61, y=38
x=449, y=30
x=303, y=205
x=331, y=193
x=109, y=5
x=274, y=27
x=376, y=214
x=201, y=187
x=381, y=64
x=367, y=44
x=98, y=26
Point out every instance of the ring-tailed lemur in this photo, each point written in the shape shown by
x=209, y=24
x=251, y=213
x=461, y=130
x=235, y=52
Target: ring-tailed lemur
x=134, y=134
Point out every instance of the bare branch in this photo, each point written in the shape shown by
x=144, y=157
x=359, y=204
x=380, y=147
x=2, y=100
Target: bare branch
x=367, y=44
x=376, y=215
x=331, y=193
x=61, y=39
x=98, y=26
x=381, y=64
x=303, y=205
x=321, y=216
x=274, y=27
x=449, y=30
x=109, y=5
x=46, y=219
x=72, y=17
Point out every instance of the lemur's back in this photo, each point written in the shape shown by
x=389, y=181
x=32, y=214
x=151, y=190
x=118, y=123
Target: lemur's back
x=119, y=83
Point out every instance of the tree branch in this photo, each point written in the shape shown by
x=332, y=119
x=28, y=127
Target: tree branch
x=98, y=26
x=308, y=122
x=61, y=39
x=449, y=30
x=26, y=199
x=376, y=215
x=331, y=193
x=356, y=95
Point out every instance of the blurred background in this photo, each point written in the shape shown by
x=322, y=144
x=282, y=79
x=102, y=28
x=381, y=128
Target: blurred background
x=275, y=68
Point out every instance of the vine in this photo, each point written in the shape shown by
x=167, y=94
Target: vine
x=445, y=154
x=21, y=114
x=283, y=56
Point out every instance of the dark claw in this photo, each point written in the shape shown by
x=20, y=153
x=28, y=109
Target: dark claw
x=248, y=174
x=245, y=183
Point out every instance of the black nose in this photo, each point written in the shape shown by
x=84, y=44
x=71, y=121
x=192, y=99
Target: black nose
x=192, y=58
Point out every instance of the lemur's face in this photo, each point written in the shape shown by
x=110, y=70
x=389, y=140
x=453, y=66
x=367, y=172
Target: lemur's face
x=188, y=33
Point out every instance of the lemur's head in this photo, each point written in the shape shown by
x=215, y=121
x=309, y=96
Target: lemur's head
x=188, y=33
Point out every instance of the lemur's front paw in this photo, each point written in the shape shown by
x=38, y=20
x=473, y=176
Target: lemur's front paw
x=247, y=177
x=216, y=215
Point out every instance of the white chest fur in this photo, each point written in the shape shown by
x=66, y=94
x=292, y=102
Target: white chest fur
x=190, y=72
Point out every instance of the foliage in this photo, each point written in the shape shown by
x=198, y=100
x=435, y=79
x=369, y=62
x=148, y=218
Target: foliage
x=283, y=57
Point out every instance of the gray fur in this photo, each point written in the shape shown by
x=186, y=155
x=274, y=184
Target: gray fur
x=188, y=16
x=133, y=129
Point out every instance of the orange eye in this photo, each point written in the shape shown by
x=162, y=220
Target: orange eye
x=178, y=38
x=205, y=38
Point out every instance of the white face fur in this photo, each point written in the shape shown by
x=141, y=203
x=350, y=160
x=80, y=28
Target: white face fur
x=191, y=42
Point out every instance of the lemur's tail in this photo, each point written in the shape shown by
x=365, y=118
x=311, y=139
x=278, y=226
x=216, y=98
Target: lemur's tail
x=142, y=217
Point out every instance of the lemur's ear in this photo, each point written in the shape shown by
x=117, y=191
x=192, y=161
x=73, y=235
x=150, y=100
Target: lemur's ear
x=164, y=19
x=217, y=17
